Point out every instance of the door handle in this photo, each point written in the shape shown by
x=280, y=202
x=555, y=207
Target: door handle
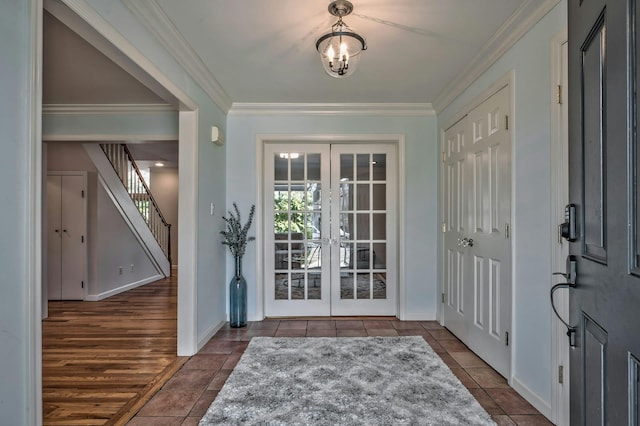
x=572, y=271
x=465, y=242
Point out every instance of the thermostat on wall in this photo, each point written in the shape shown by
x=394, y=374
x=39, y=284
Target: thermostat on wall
x=216, y=136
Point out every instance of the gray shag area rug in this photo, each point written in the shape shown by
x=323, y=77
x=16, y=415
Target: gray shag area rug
x=343, y=381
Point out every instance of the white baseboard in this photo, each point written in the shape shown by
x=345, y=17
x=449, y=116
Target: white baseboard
x=101, y=296
x=419, y=316
x=533, y=398
x=209, y=334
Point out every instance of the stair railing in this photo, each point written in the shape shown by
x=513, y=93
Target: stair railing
x=127, y=170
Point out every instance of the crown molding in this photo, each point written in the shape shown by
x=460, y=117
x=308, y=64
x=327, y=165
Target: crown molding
x=100, y=109
x=100, y=137
x=151, y=15
x=518, y=24
x=386, y=109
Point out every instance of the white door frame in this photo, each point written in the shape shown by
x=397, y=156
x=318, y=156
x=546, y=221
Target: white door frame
x=559, y=198
x=262, y=139
x=188, y=177
x=188, y=182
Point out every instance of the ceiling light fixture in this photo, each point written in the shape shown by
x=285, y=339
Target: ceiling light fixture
x=340, y=48
x=159, y=164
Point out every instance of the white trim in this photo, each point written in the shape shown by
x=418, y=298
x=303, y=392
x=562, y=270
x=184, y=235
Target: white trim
x=420, y=316
x=397, y=139
x=259, y=221
x=33, y=227
x=402, y=313
x=209, y=334
x=104, y=295
x=560, y=398
x=159, y=24
x=518, y=24
x=507, y=79
x=99, y=109
x=188, y=234
x=115, y=137
x=369, y=109
x=105, y=29
x=533, y=398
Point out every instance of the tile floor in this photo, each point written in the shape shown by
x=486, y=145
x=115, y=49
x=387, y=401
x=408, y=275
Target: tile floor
x=186, y=396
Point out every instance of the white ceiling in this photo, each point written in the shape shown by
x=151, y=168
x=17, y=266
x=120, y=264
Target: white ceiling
x=264, y=51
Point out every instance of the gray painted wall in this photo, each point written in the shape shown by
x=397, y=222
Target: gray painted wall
x=421, y=175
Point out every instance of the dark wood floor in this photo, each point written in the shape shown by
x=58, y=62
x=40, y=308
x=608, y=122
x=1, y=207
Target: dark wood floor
x=106, y=362
x=101, y=359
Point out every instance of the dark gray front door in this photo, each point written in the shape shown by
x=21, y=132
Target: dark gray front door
x=604, y=163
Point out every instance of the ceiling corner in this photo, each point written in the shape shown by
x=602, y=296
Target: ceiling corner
x=520, y=22
x=151, y=15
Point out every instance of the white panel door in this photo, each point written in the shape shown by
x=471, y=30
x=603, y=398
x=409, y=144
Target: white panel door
x=330, y=229
x=477, y=221
x=66, y=224
x=456, y=227
x=54, y=241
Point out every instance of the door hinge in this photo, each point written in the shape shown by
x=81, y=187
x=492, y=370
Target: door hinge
x=82, y=238
x=559, y=94
x=506, y=338
x=444, y=297
x=444, y=156
x=82, y=284
x=561, y=374
x=506, y=122
x=507, y=231
x=82, y=192
x=444, y=227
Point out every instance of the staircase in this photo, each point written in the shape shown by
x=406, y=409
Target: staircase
x=124, y=183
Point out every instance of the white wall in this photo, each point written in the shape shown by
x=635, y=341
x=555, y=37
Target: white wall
x=421, y=212
x=531, y=228
x=110, y=242
x=19, y=289
x=164, y=187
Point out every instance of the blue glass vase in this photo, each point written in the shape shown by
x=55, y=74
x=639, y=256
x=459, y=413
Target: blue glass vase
x=238, y=297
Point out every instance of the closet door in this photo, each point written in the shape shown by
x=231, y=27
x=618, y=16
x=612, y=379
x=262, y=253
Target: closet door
x=477, y=214
x=66, y=240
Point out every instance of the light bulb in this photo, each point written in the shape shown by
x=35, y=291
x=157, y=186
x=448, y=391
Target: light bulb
x=343, y=51
x=330, y=53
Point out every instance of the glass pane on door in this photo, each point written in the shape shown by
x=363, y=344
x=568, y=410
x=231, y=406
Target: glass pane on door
x=297, y=207
x=362, y=228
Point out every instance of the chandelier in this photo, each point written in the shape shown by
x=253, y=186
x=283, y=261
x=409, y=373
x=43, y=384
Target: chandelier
x=340, y=48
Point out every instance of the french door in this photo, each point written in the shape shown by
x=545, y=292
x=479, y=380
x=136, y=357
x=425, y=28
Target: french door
x=330, y=229
x=477, y=212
